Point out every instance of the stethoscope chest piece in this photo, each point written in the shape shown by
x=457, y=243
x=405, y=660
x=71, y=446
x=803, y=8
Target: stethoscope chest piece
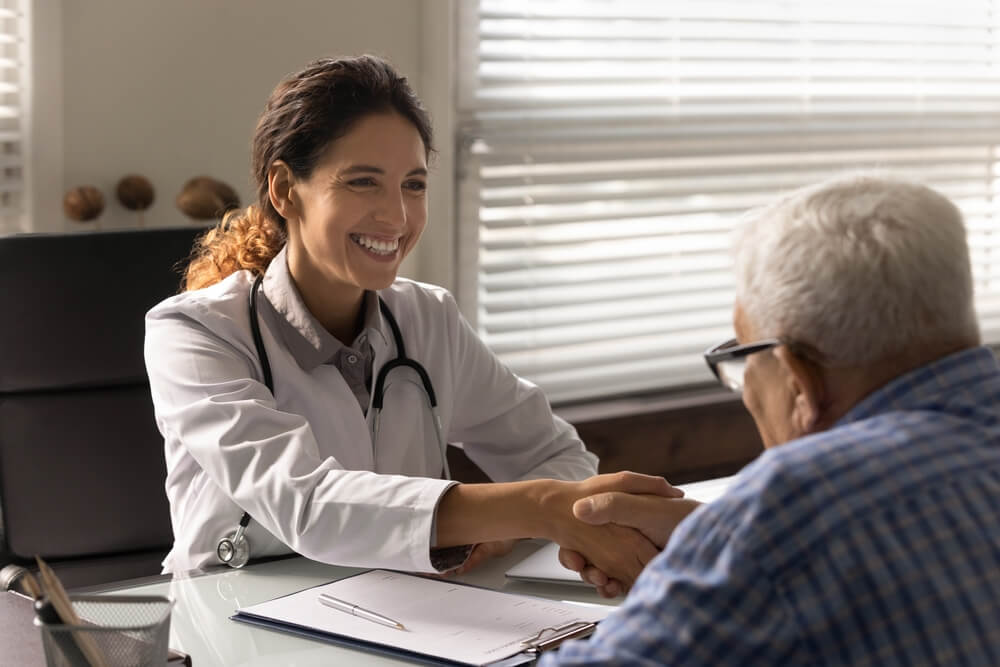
x=234, y=549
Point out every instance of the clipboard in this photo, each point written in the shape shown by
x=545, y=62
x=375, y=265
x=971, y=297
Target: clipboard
x=550, y=638
x=448, y=623
x=529, y=654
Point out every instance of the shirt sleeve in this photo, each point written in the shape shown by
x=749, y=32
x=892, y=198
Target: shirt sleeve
x=703, y=601
x=267, y=460
x=505, y=422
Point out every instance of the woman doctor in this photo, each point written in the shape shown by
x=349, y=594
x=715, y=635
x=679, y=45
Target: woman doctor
x=281, y=434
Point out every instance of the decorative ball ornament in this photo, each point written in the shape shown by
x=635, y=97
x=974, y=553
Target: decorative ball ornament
x=83, y=203
x=206, y=198
x=135, y=192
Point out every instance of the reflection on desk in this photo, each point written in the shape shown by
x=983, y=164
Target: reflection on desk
x=200, y=624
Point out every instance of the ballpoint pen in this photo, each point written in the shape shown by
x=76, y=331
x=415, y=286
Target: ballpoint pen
x=351, y=608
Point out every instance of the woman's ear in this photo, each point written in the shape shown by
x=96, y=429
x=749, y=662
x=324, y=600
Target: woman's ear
x=280, y=184
x=807, y=385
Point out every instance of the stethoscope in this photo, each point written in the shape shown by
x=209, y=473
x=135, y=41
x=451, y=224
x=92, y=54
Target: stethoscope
x=234, y=549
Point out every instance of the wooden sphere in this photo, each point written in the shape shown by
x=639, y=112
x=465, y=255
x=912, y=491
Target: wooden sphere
x=83, y=203
x=135, y=192
x=206, y=198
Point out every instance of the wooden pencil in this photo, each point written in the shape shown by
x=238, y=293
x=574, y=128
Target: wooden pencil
x=64, y=607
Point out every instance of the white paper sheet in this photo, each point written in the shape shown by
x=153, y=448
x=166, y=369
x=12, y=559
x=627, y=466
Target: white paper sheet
x=708, y=490
x=453, y=621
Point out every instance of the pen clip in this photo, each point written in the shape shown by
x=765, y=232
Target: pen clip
x=551, y=637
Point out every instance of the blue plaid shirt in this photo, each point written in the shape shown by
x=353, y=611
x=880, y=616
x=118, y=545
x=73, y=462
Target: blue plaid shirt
x=876, y=542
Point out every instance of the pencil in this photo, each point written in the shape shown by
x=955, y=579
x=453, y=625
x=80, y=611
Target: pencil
x=64, y=607
x=31, y=585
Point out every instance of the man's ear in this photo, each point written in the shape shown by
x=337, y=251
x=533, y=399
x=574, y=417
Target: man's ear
x=807, y=385
x=280, y=190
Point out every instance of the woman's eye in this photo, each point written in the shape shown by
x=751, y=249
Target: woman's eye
x=361, y=182
x=415, y=186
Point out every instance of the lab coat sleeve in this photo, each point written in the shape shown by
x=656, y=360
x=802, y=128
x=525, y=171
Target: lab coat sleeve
x=505, y=422
x=267, y=461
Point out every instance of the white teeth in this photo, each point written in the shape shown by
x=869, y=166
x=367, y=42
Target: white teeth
x=380, y=247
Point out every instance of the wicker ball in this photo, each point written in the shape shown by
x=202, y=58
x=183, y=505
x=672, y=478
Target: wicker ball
x=205, y=198
x=135, y=192
x=83, y=203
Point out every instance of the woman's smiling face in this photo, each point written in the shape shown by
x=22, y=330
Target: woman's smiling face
x=362, y=209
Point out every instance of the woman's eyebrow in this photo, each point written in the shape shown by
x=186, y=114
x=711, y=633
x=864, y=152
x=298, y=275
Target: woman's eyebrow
x=371, y=169
x=363, y=169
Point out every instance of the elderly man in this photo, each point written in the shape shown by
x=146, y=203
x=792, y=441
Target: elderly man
x=868, y=532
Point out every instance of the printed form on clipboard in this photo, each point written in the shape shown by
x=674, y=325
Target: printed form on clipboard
x=445, y=622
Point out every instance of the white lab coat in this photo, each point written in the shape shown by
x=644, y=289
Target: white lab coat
x=302, y=462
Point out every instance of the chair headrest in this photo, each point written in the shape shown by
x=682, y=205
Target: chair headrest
x=74, y=304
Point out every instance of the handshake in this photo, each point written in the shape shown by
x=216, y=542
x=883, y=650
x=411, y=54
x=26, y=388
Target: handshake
x=608, y=527
x=644, y=512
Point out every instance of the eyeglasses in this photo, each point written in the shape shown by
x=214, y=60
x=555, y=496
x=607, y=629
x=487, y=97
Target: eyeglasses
x=728, y=360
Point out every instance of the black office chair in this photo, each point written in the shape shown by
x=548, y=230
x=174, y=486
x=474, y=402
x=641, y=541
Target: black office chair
x=81, y=461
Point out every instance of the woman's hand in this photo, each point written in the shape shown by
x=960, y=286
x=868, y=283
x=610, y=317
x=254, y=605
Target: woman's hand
x=483, y=552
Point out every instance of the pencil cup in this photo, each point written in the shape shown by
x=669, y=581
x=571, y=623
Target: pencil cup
x=115, y=631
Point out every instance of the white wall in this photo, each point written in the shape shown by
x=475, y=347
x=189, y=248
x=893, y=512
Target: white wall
x=436, y=258
x=173, y=89
x=44, y=125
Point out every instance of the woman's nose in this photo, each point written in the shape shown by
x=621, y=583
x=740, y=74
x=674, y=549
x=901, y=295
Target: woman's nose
x=391, y=209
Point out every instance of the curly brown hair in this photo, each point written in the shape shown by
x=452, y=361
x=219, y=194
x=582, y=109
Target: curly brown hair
x=305, y=112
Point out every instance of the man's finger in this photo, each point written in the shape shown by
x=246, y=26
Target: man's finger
x=612, y=589
x=595, y=577
x=572, y=560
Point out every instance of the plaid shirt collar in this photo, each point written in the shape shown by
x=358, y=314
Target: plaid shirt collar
x=926, y=384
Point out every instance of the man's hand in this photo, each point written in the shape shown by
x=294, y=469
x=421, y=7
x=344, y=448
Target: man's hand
x=652, y=515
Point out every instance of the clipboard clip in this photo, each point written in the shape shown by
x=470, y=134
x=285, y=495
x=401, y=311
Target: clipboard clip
x=552, y=637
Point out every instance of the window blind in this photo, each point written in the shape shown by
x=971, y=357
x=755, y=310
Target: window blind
x=607, y=149
x=13, y=70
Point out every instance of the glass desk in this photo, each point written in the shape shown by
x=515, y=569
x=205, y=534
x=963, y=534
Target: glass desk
x=204, y=600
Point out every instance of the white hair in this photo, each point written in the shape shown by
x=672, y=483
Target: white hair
x=859, y=268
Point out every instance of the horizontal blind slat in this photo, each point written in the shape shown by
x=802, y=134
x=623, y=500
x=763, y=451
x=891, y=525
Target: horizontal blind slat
x=609, y=149
x=14, y=112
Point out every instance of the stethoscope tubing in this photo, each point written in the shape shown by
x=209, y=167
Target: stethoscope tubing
x=227, y=549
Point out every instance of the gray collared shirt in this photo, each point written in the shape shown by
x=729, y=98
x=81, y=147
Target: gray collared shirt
x=311, y=344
